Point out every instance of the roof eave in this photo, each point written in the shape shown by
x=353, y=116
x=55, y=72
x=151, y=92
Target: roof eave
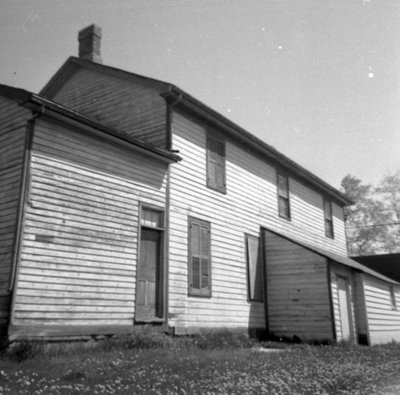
x=37, y=103
x=188, y=102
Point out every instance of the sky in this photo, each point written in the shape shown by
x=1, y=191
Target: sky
x=317, y=79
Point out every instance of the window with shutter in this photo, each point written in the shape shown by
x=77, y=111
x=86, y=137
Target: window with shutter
x=283, y=196
x=216, y=164
x=255, y=274
x=199, y=258
x=328, y=219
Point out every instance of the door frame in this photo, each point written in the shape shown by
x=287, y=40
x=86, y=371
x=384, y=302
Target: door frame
x=162, y=283
x=349, y=306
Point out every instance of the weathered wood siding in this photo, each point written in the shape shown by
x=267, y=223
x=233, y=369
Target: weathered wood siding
x=250, y=202
x=12, y=143
x=360, y=313
x=80, y=240
x=383, y=320
x=345, y=272
x=133, y=107
x=298, y=292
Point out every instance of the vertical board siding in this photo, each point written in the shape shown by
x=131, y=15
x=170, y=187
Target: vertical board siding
x=298, y=298
x=12, y=144
x=78, y=262
x=343, y=271
x=135, y=108
x=250, y=202
x=383, y=320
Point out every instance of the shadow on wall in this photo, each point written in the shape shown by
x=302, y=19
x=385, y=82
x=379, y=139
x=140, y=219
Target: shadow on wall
x=99, y=157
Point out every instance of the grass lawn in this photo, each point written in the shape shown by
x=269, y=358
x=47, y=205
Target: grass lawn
x=187, y=366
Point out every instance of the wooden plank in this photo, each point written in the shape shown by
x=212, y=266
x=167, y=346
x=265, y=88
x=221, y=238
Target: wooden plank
x=124, y=104
x=40, y=331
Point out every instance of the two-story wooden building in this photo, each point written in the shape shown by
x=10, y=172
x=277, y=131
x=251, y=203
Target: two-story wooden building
x=112, y=229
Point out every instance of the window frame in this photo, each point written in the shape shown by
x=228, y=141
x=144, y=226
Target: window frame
x=218, y=140
x=205, y=292
x=328, y=218
x=282, y=197
x=251, y=297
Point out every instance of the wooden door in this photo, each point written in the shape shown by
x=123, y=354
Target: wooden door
x=344, y=308
x=149, y=292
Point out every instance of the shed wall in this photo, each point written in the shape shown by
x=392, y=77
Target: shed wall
x=80, y=240
x=298, y=293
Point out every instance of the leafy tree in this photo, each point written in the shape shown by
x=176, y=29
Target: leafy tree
x=366, y=221
x=388, y=191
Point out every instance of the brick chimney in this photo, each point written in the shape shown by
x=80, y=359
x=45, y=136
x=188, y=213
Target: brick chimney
x=89, y=43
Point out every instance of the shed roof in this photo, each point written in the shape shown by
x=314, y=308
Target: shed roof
x=386, y=264
x=183, y=100
x=344, y=260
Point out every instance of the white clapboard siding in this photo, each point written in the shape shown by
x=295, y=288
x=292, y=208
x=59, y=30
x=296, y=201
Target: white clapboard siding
x=344, y=272
x=298, y=297
x=78, y=260
x=13, y=124
x=250, y=202
x=383, y=319
x=136, y=108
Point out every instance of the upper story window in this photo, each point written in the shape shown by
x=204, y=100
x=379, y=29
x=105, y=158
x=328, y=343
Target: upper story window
x=283, y=196
x=328, y=219
x=199, y=257
x=216, y=164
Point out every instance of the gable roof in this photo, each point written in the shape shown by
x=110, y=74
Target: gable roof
x=179, y=98
x=42, y=105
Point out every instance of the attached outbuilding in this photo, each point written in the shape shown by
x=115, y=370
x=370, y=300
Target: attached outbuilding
x=317, y=295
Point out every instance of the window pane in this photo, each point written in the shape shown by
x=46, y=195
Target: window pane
x=204, y=273
x=213, y=150
x=327, y=210
x=220, y=150
x=152, y=218
x=283, y=207
x=283, y=189
x=205, y=245
x=216, y=164
x=195, y=239
x=212, y=182
x=196, y=273
x=328, y=228
x=219, y=175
